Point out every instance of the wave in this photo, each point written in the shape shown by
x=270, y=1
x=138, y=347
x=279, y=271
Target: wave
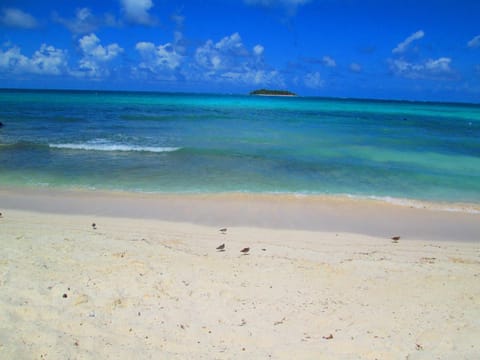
x=113, y=147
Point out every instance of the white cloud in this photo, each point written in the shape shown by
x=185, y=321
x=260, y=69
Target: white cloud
x=158, y=58
x=229, y=60
x=439, y=65
x=232, y=44
x=13, y=61
x=314, y=80
x=329, y=61
x=83, y=22
x=90, y=45
x=429, y=69
x=258, y=50
x=475, y=42
x=137, y=11
x=96, y=56
x=404, y=44
x=354, y=67
x=48, y=60
x=221, y=55
x=17, y=18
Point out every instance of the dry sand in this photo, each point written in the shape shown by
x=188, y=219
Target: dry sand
x=139, y=287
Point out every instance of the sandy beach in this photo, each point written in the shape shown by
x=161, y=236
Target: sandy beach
x=322, y=279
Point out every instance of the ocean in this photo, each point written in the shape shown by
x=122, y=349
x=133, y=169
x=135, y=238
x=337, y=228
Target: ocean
x=207, y=143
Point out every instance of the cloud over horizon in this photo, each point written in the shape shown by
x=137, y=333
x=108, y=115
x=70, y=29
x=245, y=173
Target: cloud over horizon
x=48, y=60
x=429, y=69
x=160, y=61
x=95, y=56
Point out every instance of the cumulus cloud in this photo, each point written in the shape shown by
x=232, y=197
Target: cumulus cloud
x=402, y=47
x=221, y=55
x=17, y=18
x=95, y=56
x=163, y=61
x=158, y=59
x=329, y=61
x=48, y=60
x=313, y=80
x=137, y=11
x=430, y=69
x=475, y=42
x=229, y=60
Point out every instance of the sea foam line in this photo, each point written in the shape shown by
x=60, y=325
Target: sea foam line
x=114, y=147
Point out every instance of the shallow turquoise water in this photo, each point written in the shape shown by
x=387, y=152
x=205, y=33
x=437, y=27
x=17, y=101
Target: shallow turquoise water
x=218, y=143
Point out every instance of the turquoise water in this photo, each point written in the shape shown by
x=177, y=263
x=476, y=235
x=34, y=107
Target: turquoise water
x=190, y=143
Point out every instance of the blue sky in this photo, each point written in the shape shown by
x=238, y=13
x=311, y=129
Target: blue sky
x=390, y=49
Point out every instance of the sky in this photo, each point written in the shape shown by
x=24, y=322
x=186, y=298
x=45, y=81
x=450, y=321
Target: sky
x=426, y=50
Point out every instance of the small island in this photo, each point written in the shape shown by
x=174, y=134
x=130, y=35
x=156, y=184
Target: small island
x=266, y=92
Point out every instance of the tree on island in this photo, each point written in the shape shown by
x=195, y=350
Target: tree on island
x=273, y=92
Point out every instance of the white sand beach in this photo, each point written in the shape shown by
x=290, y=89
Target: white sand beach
x=151, y=284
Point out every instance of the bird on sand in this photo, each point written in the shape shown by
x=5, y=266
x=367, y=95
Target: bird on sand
x=395, y=238
x=94, y=226
x=223, y=230
x=221, y=247
x=245, y=251
x=0, y=215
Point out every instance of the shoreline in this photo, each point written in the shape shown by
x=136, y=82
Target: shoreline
x=437, y=205
x=371, y=217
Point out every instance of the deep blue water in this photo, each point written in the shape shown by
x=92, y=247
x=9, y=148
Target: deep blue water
x=156, y=142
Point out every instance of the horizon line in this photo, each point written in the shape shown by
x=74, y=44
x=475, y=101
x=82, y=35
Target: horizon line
x=247, y=94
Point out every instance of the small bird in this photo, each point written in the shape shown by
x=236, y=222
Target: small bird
x=223, y=230
x=94, y=226
x=1, y=215
x=245, y=250
x=395, y=237
x=221, y=247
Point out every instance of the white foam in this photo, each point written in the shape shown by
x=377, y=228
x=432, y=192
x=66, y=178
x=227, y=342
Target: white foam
x=419, y=204
x=97, y=146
